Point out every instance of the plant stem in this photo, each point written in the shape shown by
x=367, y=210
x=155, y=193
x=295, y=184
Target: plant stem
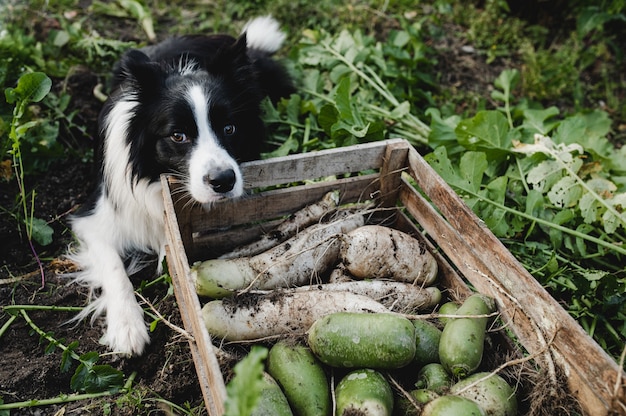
x=69, y=397
x=11, y=308
x=602, y=243
x=7, y=324
x=47, y=336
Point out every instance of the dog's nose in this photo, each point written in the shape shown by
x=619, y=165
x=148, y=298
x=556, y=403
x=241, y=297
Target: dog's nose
x=221, y=181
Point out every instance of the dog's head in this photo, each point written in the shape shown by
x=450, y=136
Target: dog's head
x=196, y=117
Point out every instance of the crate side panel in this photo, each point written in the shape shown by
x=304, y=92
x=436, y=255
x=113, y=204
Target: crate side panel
x=280, y=202
x=314, y=165
x=535, y=316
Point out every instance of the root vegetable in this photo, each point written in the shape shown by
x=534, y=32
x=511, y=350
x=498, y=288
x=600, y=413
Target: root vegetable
x=295, y=262
x=433, y=377
x=452, y=406
x=272, y=400
x=493, y=393
x=374, y=251
x=448, y=308
x=301, y=378
x=427, y=338
x=361, y=340
x=462, y=340
x=397, y=296
x=296, y=222
x=364, y=392
x=423, y=396
x=253, y=316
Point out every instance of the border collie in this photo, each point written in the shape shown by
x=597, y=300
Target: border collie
x=188, y=106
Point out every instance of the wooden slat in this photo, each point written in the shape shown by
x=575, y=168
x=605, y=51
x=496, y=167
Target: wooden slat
x=394, y=162
x=205, y=360
x=529, y=310
x=314, y=165
x=279, y=202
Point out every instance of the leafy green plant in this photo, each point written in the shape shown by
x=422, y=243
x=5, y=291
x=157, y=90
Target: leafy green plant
x=556, y=186
x=32, y=87
x=245, y=387
x=90, y=380
x=354, y=90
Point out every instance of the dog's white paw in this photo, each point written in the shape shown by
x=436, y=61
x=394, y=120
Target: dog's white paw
x=126, y=332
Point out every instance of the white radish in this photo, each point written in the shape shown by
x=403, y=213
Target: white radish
x=295, y=223
x=375, y=251
x=397, y=296
x=295, y=262
x=252, y=316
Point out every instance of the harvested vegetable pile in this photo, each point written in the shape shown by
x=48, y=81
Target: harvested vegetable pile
x=346, y=312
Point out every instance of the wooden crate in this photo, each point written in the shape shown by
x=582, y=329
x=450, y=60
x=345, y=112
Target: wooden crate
x=468, y=253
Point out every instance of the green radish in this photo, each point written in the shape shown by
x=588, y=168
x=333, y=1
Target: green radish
x=364, y=392
x=462, y=340
x=363, y=340
x=423, y=395
x=296, y=262
x=272, y=400
x=452, y=406
x=301, y=377
x=448, y=308
x=433, y=377
x=491, y=392
x=427, y=337
x=419, y=397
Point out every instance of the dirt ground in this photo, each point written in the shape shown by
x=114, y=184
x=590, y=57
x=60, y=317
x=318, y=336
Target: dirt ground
x=28, y=370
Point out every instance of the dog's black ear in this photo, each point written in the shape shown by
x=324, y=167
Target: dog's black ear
x=230, y=59
x=136, y=68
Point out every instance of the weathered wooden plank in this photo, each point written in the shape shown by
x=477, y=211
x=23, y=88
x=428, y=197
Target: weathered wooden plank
x=314, y=165
x=205, y=360
x=279, y=202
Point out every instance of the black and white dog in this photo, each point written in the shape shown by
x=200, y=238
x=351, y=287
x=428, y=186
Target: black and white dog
x=188, y=106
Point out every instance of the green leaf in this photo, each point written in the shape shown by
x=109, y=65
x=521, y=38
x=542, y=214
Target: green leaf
x=92, y=378
x=342, y=100
x=487, y=130
x=41, y=231
x=31, y=87
x=472, y=167
x=535, y=121
x=442, y=131
x=495, y=218
x=66, y=357
x=439, y=161
x=506, y=81
x=244, y=389
x=327, y=118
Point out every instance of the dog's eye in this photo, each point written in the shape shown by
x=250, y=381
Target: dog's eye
x=229, y=129
x=178, y=137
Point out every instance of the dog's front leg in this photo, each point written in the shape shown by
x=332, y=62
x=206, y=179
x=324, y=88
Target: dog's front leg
x=126, y=330
x=103, y=268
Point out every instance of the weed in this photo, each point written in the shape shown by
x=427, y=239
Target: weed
x=32, y=87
